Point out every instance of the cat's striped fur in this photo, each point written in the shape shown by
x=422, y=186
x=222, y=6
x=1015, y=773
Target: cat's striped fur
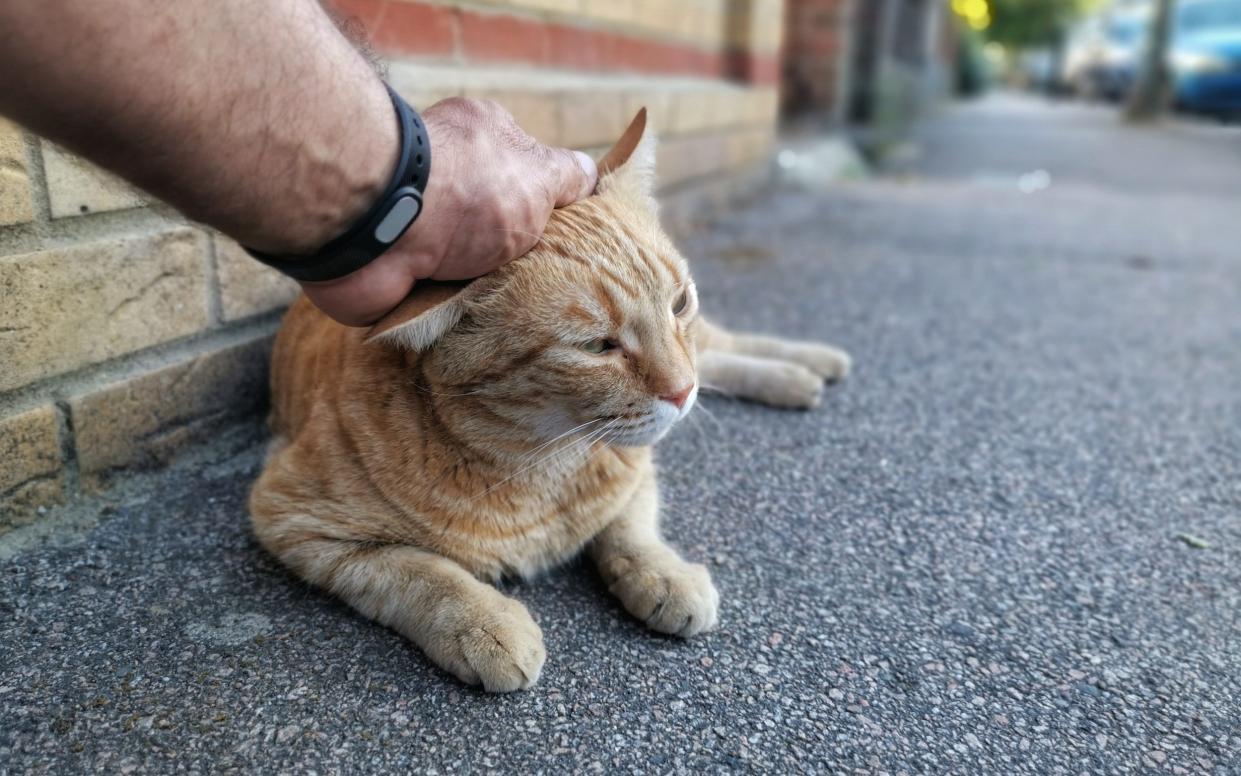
x=471, y=436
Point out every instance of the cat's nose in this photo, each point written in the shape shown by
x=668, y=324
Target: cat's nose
x=679, y=398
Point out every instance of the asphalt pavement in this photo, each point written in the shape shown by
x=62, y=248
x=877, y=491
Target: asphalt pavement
x=1009, y=543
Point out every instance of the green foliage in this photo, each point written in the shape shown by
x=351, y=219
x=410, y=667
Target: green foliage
x=1030, y=23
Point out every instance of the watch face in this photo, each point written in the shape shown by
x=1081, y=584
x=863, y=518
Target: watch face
x=400, y=215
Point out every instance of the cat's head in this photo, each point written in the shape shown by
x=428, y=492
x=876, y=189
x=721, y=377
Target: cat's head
x=594, y=327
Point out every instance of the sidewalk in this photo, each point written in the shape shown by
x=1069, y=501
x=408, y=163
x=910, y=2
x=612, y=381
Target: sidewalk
x=967, y=560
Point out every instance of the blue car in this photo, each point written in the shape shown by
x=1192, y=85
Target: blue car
x=1206, y=56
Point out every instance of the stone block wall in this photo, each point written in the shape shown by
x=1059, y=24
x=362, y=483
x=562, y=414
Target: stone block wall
x=127, y=334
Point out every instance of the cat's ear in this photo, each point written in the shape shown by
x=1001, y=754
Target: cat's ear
x=618, y=154
x=430, y=310
x=629, y=166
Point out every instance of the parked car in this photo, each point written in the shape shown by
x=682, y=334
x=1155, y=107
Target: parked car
x=1206, y=56
x=1103, y=53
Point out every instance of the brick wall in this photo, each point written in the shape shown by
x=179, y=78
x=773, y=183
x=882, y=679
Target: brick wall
x=127, y=334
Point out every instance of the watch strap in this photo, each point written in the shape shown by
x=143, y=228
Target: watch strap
x=384, y=223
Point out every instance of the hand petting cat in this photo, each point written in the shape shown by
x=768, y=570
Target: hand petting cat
x=488, y=201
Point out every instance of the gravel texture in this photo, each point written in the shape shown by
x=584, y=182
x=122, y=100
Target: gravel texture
x=1010, y=543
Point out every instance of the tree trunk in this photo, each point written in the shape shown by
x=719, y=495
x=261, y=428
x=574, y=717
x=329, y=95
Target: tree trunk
x=1150, y=93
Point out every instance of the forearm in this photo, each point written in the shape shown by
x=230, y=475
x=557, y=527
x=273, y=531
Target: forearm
x=257, y=118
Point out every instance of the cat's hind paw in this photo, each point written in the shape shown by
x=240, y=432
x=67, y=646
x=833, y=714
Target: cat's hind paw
x=827, y=362
x=791, y=385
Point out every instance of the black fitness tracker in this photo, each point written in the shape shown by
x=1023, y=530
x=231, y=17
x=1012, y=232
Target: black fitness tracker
x=381, y=226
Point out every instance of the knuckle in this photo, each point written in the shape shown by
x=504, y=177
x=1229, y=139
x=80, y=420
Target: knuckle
x=470, y=104
x=499, y=113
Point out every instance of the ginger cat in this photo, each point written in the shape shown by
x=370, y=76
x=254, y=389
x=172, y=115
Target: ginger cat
x=498, y=427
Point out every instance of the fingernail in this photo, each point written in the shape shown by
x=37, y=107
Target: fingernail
x=588, y=166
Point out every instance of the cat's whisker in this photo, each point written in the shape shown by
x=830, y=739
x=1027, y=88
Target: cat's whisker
x=697, y=426
x=430, y=392
x=711, y=415
x=572, y=455
x=590, y=438
x=555, y=439
x=427, y=391
x=605, y=435
x=526, y=457
x=574, y=452
x=585, y=449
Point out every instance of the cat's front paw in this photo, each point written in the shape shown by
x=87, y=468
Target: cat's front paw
x=827, y=362
x=668, y=594
x=493, y=642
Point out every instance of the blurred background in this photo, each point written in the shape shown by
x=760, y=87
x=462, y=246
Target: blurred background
x=1144, y=55
x=875, y=66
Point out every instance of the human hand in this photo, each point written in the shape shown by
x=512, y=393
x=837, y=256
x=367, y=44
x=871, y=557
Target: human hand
x=491, y=192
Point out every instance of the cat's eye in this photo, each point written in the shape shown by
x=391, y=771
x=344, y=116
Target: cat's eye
x=599, y=346
x=681, y=303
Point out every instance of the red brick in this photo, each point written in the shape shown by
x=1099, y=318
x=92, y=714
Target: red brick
x=766, y=70
x=575, y=47
x=631, y=54
x=745, y=65
x=635, y=56
x=612, y=52
x=364, y=12
x=488, y=37
x=710, y=63
x=699, y=62
x=417, y=28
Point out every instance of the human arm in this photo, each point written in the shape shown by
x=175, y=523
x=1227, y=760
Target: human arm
x=261, y=120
